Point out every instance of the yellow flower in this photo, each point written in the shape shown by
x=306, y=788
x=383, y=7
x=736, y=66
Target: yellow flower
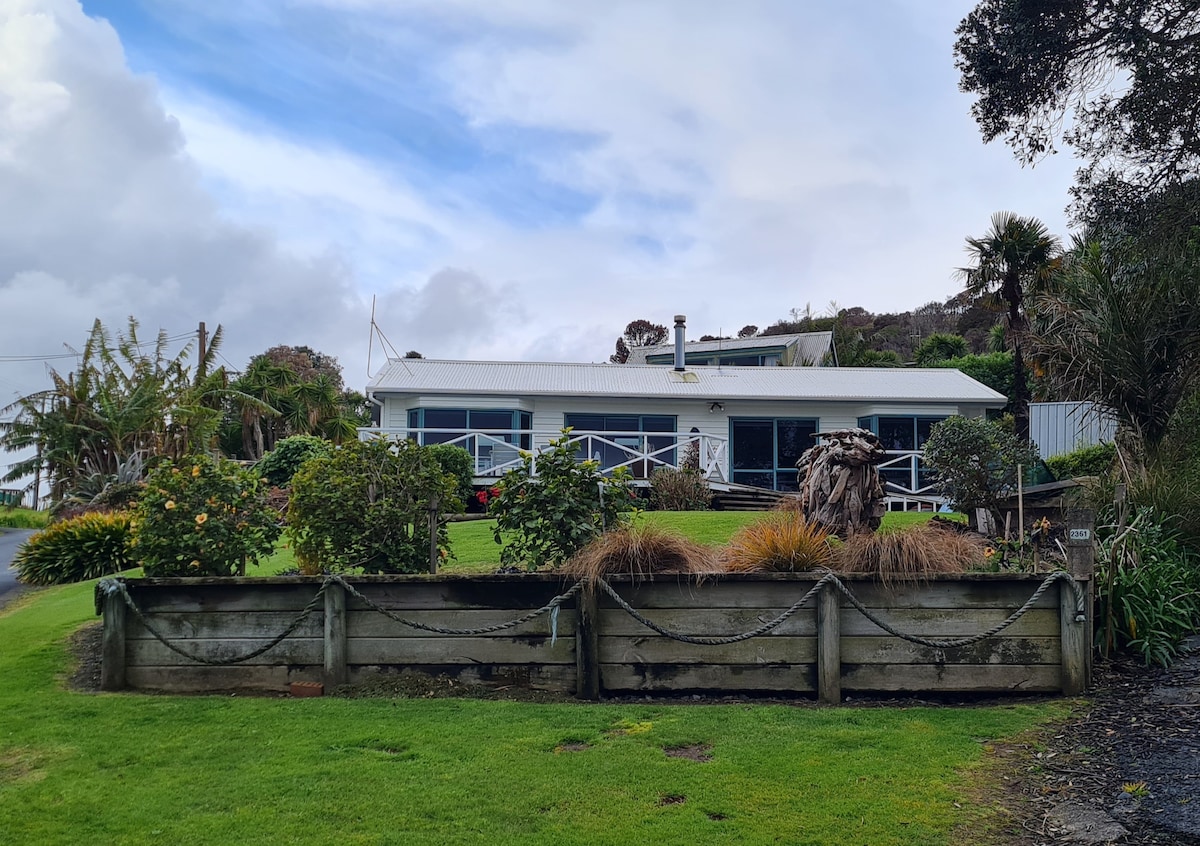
x=170, y=503
x=195, y=469
x=988, y=552
x=201, y=519
x=195, y=564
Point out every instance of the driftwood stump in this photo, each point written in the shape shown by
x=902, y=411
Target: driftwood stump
x=840, y=486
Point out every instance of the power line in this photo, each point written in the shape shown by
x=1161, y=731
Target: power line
x=170, y=339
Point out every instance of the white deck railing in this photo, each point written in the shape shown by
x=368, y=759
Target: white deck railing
x=495, y=453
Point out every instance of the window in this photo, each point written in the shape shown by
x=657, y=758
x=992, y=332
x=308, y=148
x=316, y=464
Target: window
x=765, y=450
x=903, y=433
x=500, y=424
x=627, y=436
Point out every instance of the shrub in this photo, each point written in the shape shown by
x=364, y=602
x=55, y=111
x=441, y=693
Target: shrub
x=910, y=554
x=366, y=507
x=1148, y=588
x=280, y=464
x=547, y=518
x=994, y=370
x=679, y=490
x=202, y=517
x=781, y=541
x=24, y=518
x=1086, y=461
x=85, y=547
x=641, y=550
x=458, y=463
x=975, y=462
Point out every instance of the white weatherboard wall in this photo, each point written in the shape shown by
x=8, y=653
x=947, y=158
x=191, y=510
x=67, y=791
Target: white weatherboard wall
x=549, y=411
x=1062, y=427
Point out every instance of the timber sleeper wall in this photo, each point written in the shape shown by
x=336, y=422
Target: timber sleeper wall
x=824, y=648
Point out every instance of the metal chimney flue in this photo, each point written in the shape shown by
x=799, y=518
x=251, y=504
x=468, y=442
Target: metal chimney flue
x=680, y=333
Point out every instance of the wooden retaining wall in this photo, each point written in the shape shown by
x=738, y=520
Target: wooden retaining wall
x=825, y=648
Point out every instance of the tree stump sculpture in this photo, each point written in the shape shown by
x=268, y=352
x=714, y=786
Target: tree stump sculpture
x=840, y=486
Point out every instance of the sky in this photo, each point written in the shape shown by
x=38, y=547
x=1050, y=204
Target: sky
x=507, y=179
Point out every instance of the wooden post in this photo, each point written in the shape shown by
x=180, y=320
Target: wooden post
x=1074, y=643
x=335, y=636
x=587, y=643
x=1081, y=561
x=433, y=536
x=829, y=646
x=112, y=666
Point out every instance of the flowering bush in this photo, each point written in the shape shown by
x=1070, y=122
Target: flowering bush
x=549, y=517
x=202, y=517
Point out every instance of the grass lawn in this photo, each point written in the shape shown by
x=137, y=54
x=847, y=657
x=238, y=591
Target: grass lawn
x=134, y=769
x=476, y=551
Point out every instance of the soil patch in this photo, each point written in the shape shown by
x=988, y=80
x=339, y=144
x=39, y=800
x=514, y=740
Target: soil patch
x=85, y=650
x=700, y=752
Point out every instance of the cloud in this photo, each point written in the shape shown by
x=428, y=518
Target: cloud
x=103, y=213
x=513, y=179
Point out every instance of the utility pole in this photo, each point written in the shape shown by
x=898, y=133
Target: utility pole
x=203, y=333
x=37, y=467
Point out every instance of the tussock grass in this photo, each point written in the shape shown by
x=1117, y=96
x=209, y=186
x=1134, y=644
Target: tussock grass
x=641, y=550
x=782, y=541
x=912, y=554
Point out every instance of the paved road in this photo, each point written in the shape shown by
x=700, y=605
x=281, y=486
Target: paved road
x=10, y=539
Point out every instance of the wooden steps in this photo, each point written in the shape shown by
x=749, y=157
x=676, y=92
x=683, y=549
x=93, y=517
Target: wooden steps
x=746, y=498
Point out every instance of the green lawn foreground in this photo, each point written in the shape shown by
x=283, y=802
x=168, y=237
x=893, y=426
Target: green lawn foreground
x=131, y=768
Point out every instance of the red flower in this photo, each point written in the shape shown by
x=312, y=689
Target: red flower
x=482, y=496
x=494, y=492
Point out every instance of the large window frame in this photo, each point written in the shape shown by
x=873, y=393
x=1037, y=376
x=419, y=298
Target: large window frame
x=514, y=430
x=643, y=425
x=904, y=433
x=786, y=449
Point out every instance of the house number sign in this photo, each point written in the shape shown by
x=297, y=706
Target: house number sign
x=1079, y=536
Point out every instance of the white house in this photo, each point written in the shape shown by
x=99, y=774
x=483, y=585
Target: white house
x=750, y=424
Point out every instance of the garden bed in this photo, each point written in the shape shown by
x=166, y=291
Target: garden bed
x=593, y=646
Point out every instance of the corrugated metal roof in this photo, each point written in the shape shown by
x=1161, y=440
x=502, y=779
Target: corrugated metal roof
x=516, y=378
x=810, y=346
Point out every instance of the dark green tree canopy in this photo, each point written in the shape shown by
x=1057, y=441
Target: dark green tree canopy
x=1117, y=80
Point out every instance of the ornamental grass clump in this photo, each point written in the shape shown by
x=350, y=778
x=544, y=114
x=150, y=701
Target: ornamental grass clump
x=76, y=549
x=641, y=550
x=202, y=517
x=783, y=541
x=913, y=554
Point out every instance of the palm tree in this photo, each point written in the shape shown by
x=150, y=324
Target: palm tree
x=1016, y=257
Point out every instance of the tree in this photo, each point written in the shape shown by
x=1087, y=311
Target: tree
x=975, y=463
x=1115, y=79
x=127, y=401
x=638, y=333
x=622, y=352
x=940, y=347
x=748, y=331
x=1121, y=328
x=413, y=354
x=289, y=391
x=1016, y=255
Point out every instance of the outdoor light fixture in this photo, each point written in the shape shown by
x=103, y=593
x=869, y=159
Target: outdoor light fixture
x=714, y=407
